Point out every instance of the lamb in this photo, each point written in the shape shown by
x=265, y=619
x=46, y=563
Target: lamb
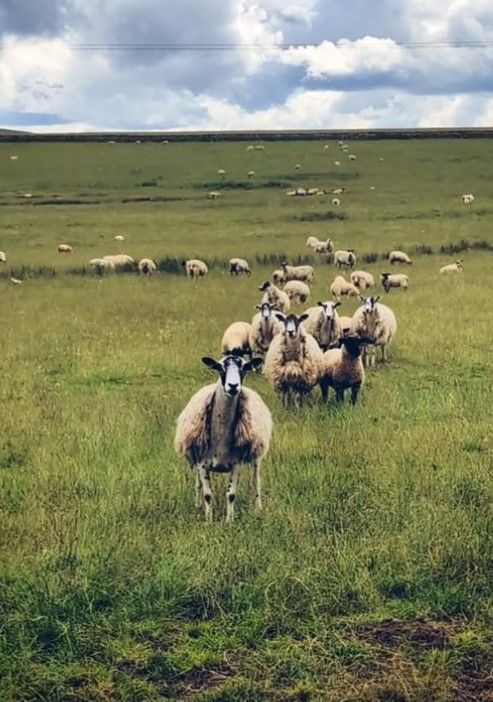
x=452, y=267
x=147, y=266
x=297, y=291
x=340, y=286
x=345, y=323
x=278, y=277
x=263, y=329
x=275, y=297
x=323, y=324
x=399, y=257
x=119, y=260
x=64, y=248
x=343, y=368
x=223, y=427
x=362, y=280
x=374, y=321
x=294, y=361
x=194, y=268
x=468, y=199
x=344, y=258
x=394, y=280
x=303, y=273
x=236, y=340
x=3, y=257
x=238, y=266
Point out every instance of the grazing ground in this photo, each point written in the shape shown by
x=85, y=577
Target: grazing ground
x=368, y=576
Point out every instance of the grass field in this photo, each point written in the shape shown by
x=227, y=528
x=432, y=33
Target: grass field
x=368, y=576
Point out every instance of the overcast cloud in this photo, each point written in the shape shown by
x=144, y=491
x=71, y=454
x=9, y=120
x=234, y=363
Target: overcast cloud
x=350, y=71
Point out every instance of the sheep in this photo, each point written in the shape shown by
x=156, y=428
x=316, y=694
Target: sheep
x=194, y=268
x=340, y=286
x=325, y=247
x=101, y=264
x=237, y=266
x=326, y=147
x=344, y=258
x=312, y=191
x=362, y=280
x=275, y=297
x=297, y=166
x=119, y=237
x=119, y=260
x=294, y=362
x=345, y=323
x=337, y=191
x=213, y=195
x=376, y=322
x=259, y=147
x=337, y=163
x=468, y=199
x=263, y=329
x=303, y=273
x=336, y=202
x=147, y=266
x=236, y=340
x=352, y=157
x=343, y=368
x=399, y=257
x=16, y=281
x=312, y=242
x=394, y=280
x=64, y=248
x=297, y=291
x=221, y=172
x=251, y=174
x=250, y=147
x=452, y=267
x=223, y=427
x=14, y=157
x=3, y=257
x=277, y=277
x=323, y=324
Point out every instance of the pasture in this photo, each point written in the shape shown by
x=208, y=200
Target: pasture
x=368, y=575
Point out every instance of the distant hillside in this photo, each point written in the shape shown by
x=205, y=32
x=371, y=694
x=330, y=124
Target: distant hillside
x=7, y=132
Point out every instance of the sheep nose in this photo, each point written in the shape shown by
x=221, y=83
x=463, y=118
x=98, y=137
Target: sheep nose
x=233, y=388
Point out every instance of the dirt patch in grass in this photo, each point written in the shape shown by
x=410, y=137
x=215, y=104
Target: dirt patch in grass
x=413, y=632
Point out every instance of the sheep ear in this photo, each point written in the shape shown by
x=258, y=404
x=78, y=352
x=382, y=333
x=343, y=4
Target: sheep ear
x=340, y=341
x=302, y=318
x=363, y=299
x=257, y=307
x=252, y=364
x=280, y=317
x=211, y=363
x=376, y=299
x=320, y=304
x=336, y=304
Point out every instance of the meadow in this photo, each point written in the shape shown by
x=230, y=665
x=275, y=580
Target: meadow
x=368, y=575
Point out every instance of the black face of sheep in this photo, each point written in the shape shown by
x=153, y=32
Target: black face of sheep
x=264, y=286
x=265, y=308
x=292, y=323
x=353, y=344
x=232, y=369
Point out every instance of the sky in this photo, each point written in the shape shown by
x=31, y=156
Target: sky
x=310, y=64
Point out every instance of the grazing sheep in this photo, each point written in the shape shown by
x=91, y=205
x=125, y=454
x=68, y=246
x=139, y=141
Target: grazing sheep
x=236, y=339
x=323, y=324
x=194, y=268
x=336, y=202
x=119, y=260
x=3, y=257
x=16, y=281
x=250, y=147
x=312, y=242
x=251, y=174
x=223, y=427
x=337, y=191
x=263, y=329
x=341, y=287
x=352, y=157
x=213, y=194
x=303, y=273
x=343, y=368
x=278, y=277
x=278, y=299
x=452, y=267
x=238, y=266
x=324, y=247
x=64, y=248
x=374, y=321
x=119, y=237
x=14, y=158
x=297, y=166
x=297, y=291
x=362, y=280
x=345, y=323
x=221, y=172
x=394, y=280
x=101, y=265
x=337, y=163
x=399, y=257
x=147, y=266
x=468, y=199
x=259, y=147
x=28, y=195
x=326, y=146
x=294, y=361
x=345, y=258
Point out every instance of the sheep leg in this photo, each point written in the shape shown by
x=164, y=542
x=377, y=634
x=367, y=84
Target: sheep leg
x=256, y=478
x=324, y=389
x=231, y=493
x=354, y=393
x=339, y=394
x=198, y=489
x=384, y=353
x=205, y=481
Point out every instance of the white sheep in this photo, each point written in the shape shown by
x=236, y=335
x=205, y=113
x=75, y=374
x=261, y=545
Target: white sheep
x=336, y=202
x=251, y=174
x=278, y=299
x=147, y=266
x=263, y=329
x=323, y=324
x=394, y=280
x=352, y=157
x=238, y=266
x=297, y=291
x=345, y=258
x=362, y=279
x=213, y=194
x=119, y=260
x=303, y=273
x=64, y=248
x=223, y=427
x=344, y=369
x=452, y=267
x=236, y=339
x=377, y=322
x=119, y=237
x=101, y=265
x=337, y=191
x=195, y=268
x=294, y=361
x=221, y=172
x=341, y=287
x=3, y=257
x=297, y=166
x=324, y=247
x=399, y=257
x=468, y=199
x=337, y=163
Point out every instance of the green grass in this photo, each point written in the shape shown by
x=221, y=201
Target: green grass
x=368, y=575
